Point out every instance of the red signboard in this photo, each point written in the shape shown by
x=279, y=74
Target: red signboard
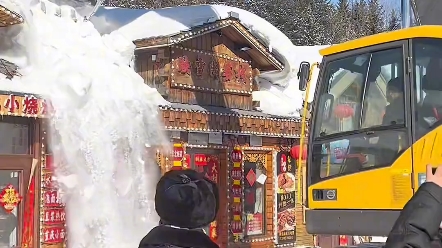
x=236, y=173
x=236, y=227
x=54, y=216
x=283, y=164
x=178, y=153
x=200, y=160
x=51, y=198
x=236, y=191
x=47, y=181
x=53, y=235
x=49, y=162
x=236, y=156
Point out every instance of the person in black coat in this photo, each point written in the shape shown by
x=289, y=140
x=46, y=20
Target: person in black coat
x=418, y=225
x=186, y=202
x=394, y=111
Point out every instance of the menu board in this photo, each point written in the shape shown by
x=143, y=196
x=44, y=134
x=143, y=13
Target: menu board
x=53, y=216
x=285, y=207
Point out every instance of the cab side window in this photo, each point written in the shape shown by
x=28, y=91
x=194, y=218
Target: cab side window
x=427, y=57
x=384, y=93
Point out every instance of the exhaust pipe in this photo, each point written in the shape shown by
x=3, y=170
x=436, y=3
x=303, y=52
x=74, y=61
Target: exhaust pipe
x=406, y=13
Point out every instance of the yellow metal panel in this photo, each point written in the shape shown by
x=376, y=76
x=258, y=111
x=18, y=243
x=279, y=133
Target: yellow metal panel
x=401, y=34
x=427, y=150
x=384, y=188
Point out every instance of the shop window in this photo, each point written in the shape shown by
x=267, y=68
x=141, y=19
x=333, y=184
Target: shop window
x=15, y=137
x=254, y=198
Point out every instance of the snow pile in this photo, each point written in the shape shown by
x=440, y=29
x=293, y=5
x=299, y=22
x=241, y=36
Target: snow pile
x=104, y=117
x=289, y=99
x=279, y=88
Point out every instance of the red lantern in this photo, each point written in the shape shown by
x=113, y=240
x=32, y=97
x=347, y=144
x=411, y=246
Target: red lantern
x=343, y=240
x=294, y=152
x=344, y=111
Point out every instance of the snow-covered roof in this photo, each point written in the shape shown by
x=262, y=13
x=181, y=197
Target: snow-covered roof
x=230, y=28
x=277, y=88
x=7, y=14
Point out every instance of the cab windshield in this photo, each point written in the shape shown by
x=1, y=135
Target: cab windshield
x=360, y=122
x=355, y=94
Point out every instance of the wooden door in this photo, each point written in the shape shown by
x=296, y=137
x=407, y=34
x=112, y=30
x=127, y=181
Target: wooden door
x=14, y=170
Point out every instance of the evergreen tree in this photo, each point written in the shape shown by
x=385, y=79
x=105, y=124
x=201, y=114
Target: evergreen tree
x=375, y=21
x=394, y=21
x=341, y=22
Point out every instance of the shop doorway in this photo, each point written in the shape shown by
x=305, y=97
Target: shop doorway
x=14, y=175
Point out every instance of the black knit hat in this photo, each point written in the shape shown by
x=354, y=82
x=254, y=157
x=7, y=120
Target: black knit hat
x=186, y=199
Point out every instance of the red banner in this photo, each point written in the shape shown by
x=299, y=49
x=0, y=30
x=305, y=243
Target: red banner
x=200, y=160
x=53, y=235
x=28, y=221
x=49, y=165
x=51, y=198
x=54, y=216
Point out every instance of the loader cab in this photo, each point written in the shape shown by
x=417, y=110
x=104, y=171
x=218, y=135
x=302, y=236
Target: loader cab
x=373, y=104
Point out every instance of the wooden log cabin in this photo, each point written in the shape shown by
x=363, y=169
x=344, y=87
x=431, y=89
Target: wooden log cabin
x=208, y=73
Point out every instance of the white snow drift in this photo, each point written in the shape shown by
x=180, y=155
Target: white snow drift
x=105, y=116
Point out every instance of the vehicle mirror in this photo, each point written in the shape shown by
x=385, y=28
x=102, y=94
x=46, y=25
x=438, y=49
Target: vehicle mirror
x=303, y=75
x=327, y=100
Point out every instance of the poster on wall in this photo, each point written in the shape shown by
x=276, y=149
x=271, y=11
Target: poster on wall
x=285, y=207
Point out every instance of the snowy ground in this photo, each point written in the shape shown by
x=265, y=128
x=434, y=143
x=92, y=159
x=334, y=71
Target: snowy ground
x=277, y=88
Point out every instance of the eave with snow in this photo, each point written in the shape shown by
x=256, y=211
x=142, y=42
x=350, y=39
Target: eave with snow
x=230, y=27
x=9, y=17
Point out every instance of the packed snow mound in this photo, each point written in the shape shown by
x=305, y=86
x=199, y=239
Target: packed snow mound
x=289, y=99
x=279, y=88
x=104, y=118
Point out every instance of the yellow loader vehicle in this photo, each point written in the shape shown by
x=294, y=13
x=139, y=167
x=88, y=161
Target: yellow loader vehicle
x=375, y=124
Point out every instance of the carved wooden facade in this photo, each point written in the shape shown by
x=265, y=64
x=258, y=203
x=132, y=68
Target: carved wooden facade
x=207, y=74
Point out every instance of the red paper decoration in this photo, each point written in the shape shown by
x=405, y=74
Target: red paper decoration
x=294, y=152
x=10, y=198
x=184, y=65
x=343, y=111
x=228, y=71
x=199, y=66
